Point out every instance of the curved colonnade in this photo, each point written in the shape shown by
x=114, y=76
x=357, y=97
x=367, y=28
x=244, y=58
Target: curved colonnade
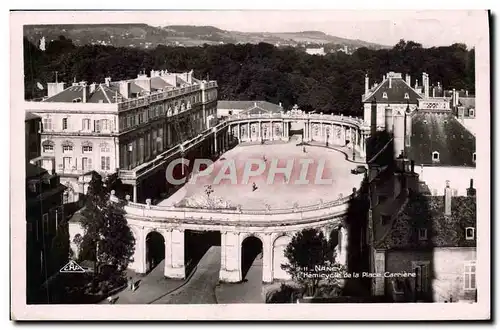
x=273, y=227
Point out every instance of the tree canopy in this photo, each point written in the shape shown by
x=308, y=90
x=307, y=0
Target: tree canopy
x=330, y=84
x=105, y=227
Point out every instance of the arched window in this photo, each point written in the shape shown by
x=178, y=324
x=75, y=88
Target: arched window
x=435, y=156
x=48, y=146
x=67, y=146
x=86, y=147
x=407, y=96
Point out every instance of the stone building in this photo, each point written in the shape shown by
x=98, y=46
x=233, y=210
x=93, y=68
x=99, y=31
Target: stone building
x=44, y=216
x=422, y=244
x=123, y=125
x=229, y=108
x=32, y=130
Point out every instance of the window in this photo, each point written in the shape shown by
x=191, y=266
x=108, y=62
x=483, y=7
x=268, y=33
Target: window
x=47, y=123
x=66, y=163
x=45, y=223
x=86, y=124
x=105, y=125
x=67, y=148
x=422, y=234
x=105, y=163
x=471, y=113
x=407, y=96
x=470, y=275
x=32, y=186
x=435, y=156
x=65, y=123
x=474, y=157
x=48, y=148
x=104, y=147
x=87, y=149
x=469, y=233
x=86, y=163
x=384, y=95
x=97, y=126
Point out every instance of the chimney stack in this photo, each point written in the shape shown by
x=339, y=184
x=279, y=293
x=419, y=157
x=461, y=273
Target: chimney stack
x=107, y=81
x=390, y=81
x=471, y=191
x=466, y=93
x=412, y=166
x=367, y=84
x=398, y=132
x=426, y=85
x=373, y=120
x=416, y=83
x=454, y=98
x=388, y=119
x=447, y=199
x=408, y=79
x=92, y=87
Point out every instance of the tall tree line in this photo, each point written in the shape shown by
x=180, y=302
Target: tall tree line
x=331, y=83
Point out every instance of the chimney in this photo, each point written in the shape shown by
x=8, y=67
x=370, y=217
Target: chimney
x=84, y=91
x=408, y=79
x=107, y=81
x=54, y=88
x=471, y=191
x=388, y=119
x=125, y=89
x=412, y=166
x=466, y=93
x=416, y=83
x=367, y=84
x=390, y=81
x=373, y=120
x=433, y=91
x=383, y=77
x=92, y=87
x=398, y=132
x=447, y=199
x=453, y=98
x=281, y=105
x=426, y=85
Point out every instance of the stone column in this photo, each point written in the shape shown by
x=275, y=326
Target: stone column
x=259, y=130
x=239, y=132
x=230, y=270
x=134, y=194
x=249, y=133
x=139, y=263
x=321, y=133
x=174, y=254
x=267, y=259
x=310, y=131
x=215, y=142
x=379, y=282
x=271, y=133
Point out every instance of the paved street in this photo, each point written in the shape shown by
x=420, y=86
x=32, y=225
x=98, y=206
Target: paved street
x=200, y=289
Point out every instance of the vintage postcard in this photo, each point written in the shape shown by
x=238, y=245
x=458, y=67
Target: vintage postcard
x=191, y=165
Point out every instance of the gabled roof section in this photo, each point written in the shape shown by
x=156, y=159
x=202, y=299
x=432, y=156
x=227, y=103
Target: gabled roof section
x=395, y=94
x=427, y=212
x=30, y=116
x=68, y=95
x=102, y=94
x=250, y=107
x=442, y=133
x=159, y=83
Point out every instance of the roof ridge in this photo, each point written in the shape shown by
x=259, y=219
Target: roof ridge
x=104, y=92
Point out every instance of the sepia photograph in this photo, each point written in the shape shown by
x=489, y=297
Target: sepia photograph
x=195, y=160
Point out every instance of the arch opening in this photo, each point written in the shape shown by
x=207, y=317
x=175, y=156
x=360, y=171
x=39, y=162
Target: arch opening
x=201, y=247
x=251, y=257
x=155, y=250
x=279, y=258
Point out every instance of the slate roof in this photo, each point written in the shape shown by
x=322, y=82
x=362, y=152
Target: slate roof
x=467, y=102
x=250, y=106
x=428, y=212
x=159, y=83
x=444, y=134
x=33, y=171
x=395, y=94
x=30, y=116
x=101, y=94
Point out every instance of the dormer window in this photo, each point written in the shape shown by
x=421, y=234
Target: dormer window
x=435, y=156
x=384, y=95
x=77, y=100
x=425, y=121
x=471, y=113
x=407, y=96
x=469, y=233
x=474, y=157
x=422, y=234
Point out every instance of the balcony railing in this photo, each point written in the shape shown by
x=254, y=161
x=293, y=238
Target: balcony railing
x=337, y=118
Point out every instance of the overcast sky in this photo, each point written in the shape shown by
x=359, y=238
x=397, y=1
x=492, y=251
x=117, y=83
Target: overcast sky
x=431, y=28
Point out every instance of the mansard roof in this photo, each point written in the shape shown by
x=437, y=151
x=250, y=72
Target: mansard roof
x=250, y=106
x=395, y=93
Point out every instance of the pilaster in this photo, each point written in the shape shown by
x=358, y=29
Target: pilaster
x=230, y=270
x=174, y=254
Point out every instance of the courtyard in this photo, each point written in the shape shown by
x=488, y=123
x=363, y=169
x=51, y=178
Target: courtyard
x=253, y=177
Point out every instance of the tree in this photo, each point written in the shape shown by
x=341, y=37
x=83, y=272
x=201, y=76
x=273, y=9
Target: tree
x=105, y=227
x=311, y=261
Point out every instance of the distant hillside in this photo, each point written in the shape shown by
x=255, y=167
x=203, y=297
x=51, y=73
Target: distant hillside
x=146, y=36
